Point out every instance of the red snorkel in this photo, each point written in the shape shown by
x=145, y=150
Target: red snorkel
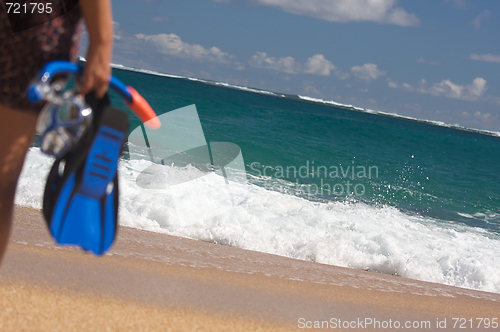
x=136, y=103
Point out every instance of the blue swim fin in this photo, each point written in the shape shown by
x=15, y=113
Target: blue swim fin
x=80, y=202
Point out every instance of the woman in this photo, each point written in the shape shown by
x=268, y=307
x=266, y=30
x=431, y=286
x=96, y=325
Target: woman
x=22, y=56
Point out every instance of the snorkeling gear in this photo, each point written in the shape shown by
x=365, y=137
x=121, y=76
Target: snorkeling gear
x=80, y=204
x=40, y=88
x=63, y=121
x=86, y=135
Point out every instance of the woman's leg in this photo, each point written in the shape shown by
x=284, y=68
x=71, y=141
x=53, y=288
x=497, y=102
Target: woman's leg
x=17, y=130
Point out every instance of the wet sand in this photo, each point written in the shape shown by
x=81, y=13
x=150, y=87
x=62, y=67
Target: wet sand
x=157, y=282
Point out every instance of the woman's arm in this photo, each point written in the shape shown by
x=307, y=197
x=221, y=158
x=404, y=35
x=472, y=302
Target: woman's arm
x=99, y=21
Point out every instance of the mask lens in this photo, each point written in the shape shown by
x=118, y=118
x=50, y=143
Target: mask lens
x=67, y=112
x=70, y=108
x=54, y=142
x=62, y=122
x=45, y=119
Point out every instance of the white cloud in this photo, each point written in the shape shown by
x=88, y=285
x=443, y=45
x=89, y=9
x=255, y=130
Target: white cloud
x=316, y=64
x=476, y=23
x=171, y=44
x=392, y=84
x=367, y=72
x=487, y=57
x=381, y=11
x=446, y=88
x=286, y=64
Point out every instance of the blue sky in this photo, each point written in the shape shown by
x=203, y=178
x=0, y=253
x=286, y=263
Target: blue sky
x=429, y=59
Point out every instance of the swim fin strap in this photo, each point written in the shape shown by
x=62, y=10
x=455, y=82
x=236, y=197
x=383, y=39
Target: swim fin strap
x=81, y=204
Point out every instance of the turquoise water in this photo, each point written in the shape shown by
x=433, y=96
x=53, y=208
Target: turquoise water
x=326, y=183
x=419, y=168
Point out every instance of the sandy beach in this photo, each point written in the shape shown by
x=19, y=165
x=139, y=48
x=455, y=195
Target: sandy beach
x=156, y=282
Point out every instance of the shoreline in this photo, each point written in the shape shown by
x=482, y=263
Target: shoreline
x=170, y=277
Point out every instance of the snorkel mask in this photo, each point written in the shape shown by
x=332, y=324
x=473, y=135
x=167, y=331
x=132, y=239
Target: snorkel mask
x=66, y=117
x=63, y=120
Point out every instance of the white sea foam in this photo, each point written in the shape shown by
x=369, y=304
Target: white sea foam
x=227, y=85
x=265, y=92
x=353, y=235
x=329, y=102
x=145, y=71
x=138, y=70
x=432, y=122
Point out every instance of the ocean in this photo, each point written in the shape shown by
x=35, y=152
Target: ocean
x=307, y=179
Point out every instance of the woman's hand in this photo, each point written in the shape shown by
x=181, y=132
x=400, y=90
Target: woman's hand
x=99, y=21
x=97, y=71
